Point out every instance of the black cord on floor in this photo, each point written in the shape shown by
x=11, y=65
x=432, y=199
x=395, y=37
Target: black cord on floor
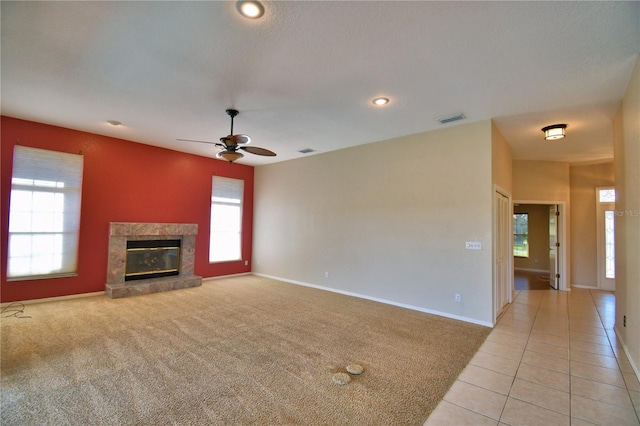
x=14, y=310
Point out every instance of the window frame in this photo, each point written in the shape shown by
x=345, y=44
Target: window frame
x=524, y=235
x=227, y=193
x=44, y=214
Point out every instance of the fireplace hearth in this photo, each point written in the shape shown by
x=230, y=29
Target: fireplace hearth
x=150, y=257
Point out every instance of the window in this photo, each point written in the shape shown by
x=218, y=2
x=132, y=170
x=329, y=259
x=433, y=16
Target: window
x=606, y=216
x=520, y=234
x=44, y=213
x=607, y=195
x=225, y=243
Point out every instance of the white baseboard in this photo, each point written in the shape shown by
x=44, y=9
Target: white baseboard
x=220, y=277
x=539, y=271
x=376, y=299
x=54, y=299
x=586, y=287
x=626, y=351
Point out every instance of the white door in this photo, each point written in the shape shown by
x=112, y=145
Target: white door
x=554, y=247
x=605, y=228
x=502, y=252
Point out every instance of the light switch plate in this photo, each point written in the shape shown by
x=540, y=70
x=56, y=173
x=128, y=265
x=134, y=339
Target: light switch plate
x=473, y=245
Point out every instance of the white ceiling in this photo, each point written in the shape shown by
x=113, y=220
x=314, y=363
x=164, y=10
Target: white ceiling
x=304, y=75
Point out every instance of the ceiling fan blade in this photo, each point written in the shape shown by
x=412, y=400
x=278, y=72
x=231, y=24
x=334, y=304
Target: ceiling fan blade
x=258, y=151
x=192, y=140
x=243, y=139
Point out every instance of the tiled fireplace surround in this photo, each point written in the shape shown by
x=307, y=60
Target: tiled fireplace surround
x=121, y=232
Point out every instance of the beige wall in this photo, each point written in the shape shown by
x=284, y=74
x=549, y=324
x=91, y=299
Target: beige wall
x=546, y=182
x=540, y=180
x=627, y=177
x=584, y=181
x=387, y=221
x=538, y=259
x=501, y=169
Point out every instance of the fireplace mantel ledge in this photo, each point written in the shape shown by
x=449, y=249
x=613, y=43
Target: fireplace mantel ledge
x=135, y=228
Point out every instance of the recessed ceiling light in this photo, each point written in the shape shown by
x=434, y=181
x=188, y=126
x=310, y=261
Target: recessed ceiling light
x=114, y=123
x=250, y=9
x=380, y=101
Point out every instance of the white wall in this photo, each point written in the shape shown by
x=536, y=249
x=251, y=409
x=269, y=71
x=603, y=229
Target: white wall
x=387, y=220
x=627, y=176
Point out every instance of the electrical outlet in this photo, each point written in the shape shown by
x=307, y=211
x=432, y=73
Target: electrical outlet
x=246, y=263
x=326, y=274
x=458, y=298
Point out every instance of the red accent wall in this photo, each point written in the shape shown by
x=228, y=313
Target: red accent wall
x=122, y=182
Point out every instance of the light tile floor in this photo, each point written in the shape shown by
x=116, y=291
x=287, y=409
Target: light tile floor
x=552, y=359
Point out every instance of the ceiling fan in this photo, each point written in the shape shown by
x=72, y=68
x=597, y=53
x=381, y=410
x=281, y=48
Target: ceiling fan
x=232, y=144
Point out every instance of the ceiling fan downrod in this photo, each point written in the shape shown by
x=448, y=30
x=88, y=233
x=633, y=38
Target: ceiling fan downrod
x=232, y=113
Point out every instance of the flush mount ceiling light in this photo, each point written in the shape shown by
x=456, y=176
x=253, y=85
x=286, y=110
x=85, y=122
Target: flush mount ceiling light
x=250, y=9
x=380, y=101
x=114, y=123
x=554, y=131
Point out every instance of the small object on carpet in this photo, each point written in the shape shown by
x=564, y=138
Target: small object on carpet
x=355, y=369
x=341, y=378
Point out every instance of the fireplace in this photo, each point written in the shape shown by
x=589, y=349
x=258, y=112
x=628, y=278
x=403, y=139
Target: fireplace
x=150, y=257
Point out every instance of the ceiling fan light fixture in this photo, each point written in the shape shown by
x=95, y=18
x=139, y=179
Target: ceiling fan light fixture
x=250, y=9
x=229, y=156
x=554, y=131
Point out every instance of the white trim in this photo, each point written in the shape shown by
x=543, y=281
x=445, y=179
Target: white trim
x=510, y=262
x=541, y=271
x=584, y=286
x=375, y=299
x=626, y=351
x=54, y=299
x=220, y=277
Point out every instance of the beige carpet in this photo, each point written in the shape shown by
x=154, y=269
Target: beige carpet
x=243, y=350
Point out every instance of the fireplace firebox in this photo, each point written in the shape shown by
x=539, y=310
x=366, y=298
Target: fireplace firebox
x=152, y=259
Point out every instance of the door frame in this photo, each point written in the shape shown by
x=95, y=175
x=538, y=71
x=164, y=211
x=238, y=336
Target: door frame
x=510, y=288
x=562, y=238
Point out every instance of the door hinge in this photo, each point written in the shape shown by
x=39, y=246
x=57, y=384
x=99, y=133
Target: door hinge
x=557, y=244
x=558, y=276
x=558, y=213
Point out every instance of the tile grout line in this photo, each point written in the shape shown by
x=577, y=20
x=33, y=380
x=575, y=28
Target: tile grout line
x=521, y=356
x=616, y=356
x=569, y=346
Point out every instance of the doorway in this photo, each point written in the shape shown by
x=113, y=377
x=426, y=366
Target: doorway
x=539, y=245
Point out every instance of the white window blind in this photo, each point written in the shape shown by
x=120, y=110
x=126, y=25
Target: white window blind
x=44, y=213
x=225, y=243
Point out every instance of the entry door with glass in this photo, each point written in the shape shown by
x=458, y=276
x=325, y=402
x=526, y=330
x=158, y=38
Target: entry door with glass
x=554, y=248
x=605, y=228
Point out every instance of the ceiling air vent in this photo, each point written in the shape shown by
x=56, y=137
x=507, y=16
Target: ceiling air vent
x=306, y=151
x=456, y=117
